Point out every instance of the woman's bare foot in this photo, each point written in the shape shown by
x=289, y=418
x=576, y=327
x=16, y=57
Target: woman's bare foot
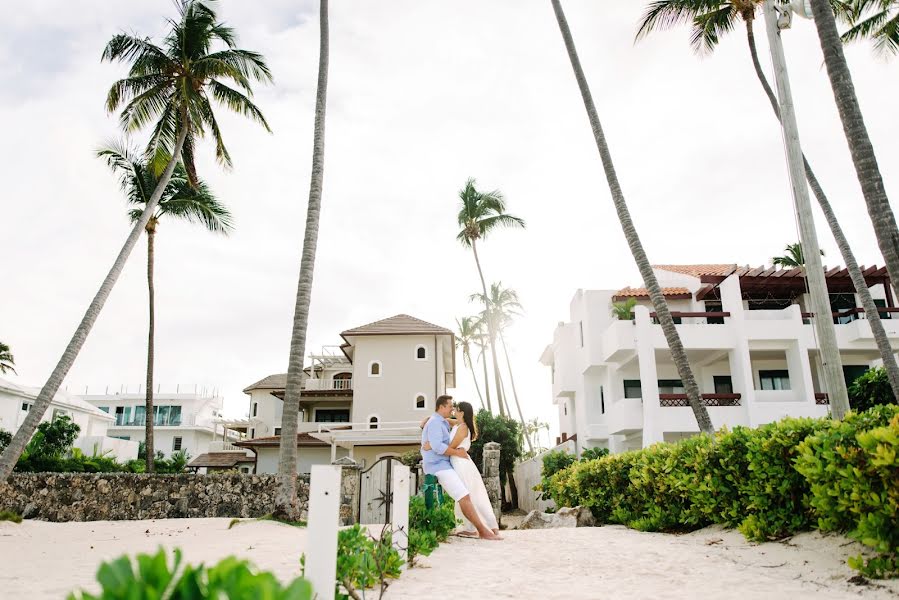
x=468, y=534
x=492, y=537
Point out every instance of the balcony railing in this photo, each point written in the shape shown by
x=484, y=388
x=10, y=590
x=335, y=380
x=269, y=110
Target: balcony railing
x=856, y=313
x=712, y=318
x=821, y=399
x=177, y=421
x=671, y=400
x=328, y=384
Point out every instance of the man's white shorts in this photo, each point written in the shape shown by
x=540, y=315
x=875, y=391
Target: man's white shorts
x=452, y=484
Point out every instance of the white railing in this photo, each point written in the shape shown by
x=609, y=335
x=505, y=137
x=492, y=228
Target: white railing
x=381, y=426
x=328, y=384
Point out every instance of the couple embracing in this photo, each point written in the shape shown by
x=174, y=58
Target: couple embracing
x=445, y=440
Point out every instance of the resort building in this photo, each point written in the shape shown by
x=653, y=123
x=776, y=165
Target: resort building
x=363, y=399
x=186, y=418
x=93, y=438
x=748, y=337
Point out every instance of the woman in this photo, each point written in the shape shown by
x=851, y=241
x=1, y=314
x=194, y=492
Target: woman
x=461, y=435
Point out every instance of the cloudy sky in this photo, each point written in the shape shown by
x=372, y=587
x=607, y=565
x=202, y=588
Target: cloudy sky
x=422, y=95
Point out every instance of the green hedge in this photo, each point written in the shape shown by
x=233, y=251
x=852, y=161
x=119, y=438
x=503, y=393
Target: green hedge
x=770, y=482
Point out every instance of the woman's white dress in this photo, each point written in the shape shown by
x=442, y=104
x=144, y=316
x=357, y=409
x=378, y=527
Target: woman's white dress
x=471, y=477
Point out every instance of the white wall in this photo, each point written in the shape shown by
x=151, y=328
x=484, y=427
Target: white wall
x=267, y=459
x=195, y=442
x=121, y=450
x=529, y=473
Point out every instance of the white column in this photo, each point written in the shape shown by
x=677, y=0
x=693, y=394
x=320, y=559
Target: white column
x=400, y=509
x=649, y=377
x=739, y=359
x=324, y=511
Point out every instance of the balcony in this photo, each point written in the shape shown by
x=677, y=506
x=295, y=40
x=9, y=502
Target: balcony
x=625, y=416
x=328, y=385
x=673, y=400
x=172, y=420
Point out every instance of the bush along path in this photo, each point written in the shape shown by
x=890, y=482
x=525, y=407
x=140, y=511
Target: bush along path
x=770, y=482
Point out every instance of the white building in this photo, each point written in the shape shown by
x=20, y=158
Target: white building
x=188, y=418
x=748, y=338
x=363, y=399
x=93, y=438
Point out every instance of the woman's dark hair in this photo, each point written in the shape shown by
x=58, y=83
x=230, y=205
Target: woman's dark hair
x=468, y=418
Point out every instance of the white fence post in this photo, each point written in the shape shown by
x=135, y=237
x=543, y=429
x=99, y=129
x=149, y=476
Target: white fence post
x=324, y=510
x=400, y=516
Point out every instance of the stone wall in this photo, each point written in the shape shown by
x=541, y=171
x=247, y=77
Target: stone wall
x=129, y=496
x=490, y=475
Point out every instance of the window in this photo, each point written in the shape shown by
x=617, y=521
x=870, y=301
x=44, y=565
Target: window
x=421, y=353
x=602, y=401
x=373, y=422
x=580, y=325
x=245, y=469
x=255, y=408
x=26, y=406
x=671, y=386
x=774, y=380
x=140, y=415
x=374, y=368
x=104, y=408
x=176, y=444
x=723, y=384
x=167, y=415
x=252, y=433
x=565, y=408
x=714, y=307
x=277, y=431
x=421, y=401
x=880, y=303
x=332, y=415
x=853, y=372
x=632, y=388
x=121, y=437
x=840, y=303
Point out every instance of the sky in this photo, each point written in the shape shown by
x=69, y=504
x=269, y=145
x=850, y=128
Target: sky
x=422, y=95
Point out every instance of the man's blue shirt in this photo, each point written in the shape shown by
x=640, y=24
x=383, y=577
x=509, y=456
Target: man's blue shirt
x=436, y=432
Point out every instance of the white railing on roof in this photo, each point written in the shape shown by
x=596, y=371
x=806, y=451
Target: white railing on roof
x=328, y=384
x=194, y=389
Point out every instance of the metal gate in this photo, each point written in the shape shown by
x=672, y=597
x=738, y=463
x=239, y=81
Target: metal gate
x=376, y=490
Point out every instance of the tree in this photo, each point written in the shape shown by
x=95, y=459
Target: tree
x=712, y=20
x=678, y=355
x=180, y=200
x=504, y=307
x=505, y=431
x=792, y=258
x=286, y=497
x=7, y=361
x=479, y=215
x=466, y=331
x=479, y=339
x=871, y=389
x=170, y=85
x=877, y=20
x=624, y=311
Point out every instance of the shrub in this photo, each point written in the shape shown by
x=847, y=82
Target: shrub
x=871, y=389
x=363, y=562
x=428, y=528
x=8, y=515
x=5, y=439
x=150, y=577
x=506, y=432
x=853, y=470
x=411, y=458
x=553, y=462
x=594, y=453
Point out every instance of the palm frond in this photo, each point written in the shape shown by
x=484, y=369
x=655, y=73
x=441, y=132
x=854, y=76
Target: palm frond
x=709, y=27
x=131, y=87
x=124, y=47
x=237, y=102
x=198, y=205
x=144, y=107
x=665, y=14
x=235, y=64
x=497, y=221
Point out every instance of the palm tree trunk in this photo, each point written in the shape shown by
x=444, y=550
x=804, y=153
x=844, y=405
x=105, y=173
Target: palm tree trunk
x=148, y=418
x=855, y=273
x=491, y=329
x=527, y=438
x=286, y=497
x=678, y=355
x=486, y=380
x=474, y=377
x=859, y=142
x=11, y=454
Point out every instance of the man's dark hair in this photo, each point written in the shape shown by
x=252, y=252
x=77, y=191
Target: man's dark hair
x=443, y=400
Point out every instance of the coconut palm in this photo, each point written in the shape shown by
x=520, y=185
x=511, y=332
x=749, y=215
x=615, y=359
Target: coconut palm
x=792, y=258
x=170, y=85
x=479, y=339
x=180, y=200
x=504, y=307
x=7, y=362
x=480, y=214
x=624, y=311
x=286, y=497
x=710, y=20
x=466, y=331
x=678, y=355
x=877, y=20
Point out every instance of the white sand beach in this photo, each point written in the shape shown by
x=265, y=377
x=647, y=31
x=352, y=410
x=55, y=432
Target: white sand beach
x=48, y=560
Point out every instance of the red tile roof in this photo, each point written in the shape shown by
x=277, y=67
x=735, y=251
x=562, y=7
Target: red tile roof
x=668, y=292
x=698, y=270
x=397, y=325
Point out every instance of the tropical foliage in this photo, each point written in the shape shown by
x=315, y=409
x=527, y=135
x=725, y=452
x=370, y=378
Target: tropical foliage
x=7, y=361
x=429, y=528
x=871, y=389
x=467, y=332
x=875, y=20
x=624, y=311
x=769, y=482
x=792, y=258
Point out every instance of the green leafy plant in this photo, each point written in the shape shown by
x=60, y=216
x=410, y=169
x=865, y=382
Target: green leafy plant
x=871, y=389
x=411, y=458
x=151, y=577
x=428, y=528
x=8, y=515
x=364, y=562
x=553, y=462
x=505, y=431
x=624, y=311
x=593, y=453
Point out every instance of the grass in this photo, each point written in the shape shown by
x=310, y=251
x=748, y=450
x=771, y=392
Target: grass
x=8, y=515
x=267, y=518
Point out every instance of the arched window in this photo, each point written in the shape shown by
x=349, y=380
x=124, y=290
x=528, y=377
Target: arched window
x=421, y=402
x=343, y=381
x=374, y=368
x=421, y=353
x=373, y=422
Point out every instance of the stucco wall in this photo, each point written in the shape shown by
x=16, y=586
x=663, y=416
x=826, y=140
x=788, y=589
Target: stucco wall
x=528, y=474
x=267, y=460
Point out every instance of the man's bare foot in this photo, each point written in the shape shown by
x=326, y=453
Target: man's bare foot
x=468, y=534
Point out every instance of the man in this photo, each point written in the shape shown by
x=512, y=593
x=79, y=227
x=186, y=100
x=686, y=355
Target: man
x=436, y=462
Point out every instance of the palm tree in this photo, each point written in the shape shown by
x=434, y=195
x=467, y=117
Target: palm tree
x=479, y=339
x=286, y=497
x=877, y=20
x=504, y=306
x=624, y=311
x=792, y=258
x=180, y=200
x=7, y=361
x=466, y=331
x=480, y=214
x=170, y=85
x=678, y=355
x=860, y=147
x=710, y=21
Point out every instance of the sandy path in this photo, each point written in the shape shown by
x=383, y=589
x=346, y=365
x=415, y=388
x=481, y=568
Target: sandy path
x=48, y=560
x=614, y=562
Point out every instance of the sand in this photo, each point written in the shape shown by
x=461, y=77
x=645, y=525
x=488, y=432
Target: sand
x=48, y=560
x=615, y=562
